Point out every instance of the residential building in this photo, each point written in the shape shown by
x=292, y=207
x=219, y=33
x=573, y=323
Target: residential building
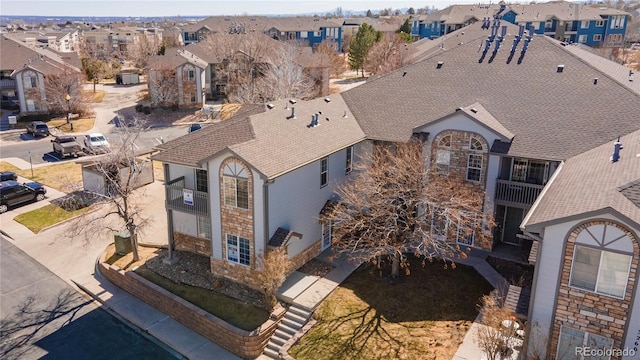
x=588, y=228
x=176, y=78
x=508, y=114
x=587, y=24
x=22, y=75
x=311, y=30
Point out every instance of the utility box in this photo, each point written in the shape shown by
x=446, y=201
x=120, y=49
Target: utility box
x=122, y=241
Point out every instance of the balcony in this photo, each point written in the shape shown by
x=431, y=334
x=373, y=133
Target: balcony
x=516, y=194
x=7, y=83
x=175, y=198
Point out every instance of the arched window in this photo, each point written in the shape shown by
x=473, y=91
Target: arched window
x=443, y=155
x=236, y=185
x=597, y=269
x=475, y=144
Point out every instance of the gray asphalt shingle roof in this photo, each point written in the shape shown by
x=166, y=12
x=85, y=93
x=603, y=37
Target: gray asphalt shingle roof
x=553, y=115
x=590, y=182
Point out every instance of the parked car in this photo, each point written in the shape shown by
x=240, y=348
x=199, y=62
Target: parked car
x=13, y=193
x=37, y=128
x=66, y=146
x=8, y=175
x=96, y=143
x=194, y=127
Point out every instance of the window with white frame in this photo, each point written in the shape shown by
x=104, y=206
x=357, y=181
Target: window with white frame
x=474, y=167
x=571, y=339
x=617, y=21
x=475, y=144
x=548, y=25
x=443, y=155
x=349, y=160
x=582, y=38
x=204, y=227
x=317, y=33
x=236, y=185
x=600, y=271
x=189, y=74
x=303, y=34
x=29, y=79
x=238, y=250
x=324, y=172
x=584, y=24
x=599, y=23
x=466, y=228
x=597, y=37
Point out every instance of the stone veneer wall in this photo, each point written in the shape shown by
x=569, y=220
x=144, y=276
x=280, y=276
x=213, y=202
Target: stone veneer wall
x=246, y=344
x=589, y=311
x=306, y=255
x=239, y=222
x=191, y=244
x=458, y=166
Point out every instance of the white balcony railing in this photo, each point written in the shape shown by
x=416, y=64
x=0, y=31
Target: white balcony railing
x=513, y=193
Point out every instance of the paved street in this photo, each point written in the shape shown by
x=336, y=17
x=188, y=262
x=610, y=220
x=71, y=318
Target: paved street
x=42, y=317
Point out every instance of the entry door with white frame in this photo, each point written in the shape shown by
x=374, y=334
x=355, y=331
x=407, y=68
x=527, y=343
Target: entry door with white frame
x=326, y=235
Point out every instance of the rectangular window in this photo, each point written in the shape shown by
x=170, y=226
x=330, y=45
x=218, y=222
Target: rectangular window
x=600, y=271
x=582, y=38
x=474, y=167
x=204, y=227
x=349, y=163
x=238, y=250
x=443, y=160
x=466, y=228
x=584, y=24
x=324, y=172
x=317, y=33
x=201, y=180
x=303, y=34
x=599, y=23
x=192, y=98
x=597, y=37
x=236, y=192
x=571, y=339
x=548, y=25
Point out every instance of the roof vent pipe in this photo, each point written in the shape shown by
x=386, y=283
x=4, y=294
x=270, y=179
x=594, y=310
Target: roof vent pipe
x=293, y=113
x=345, y=114
x=560, y=68
x=616, y=150
x=595, y=81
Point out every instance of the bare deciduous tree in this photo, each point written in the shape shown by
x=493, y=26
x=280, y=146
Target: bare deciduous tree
x=275, y=267
x=338, y=65
x=121, y=201
x=386, y=55
x=60, y=84
x=255, y=68
x=493, y=338
x=145, y=47
x=163, y=86
x=390, y=207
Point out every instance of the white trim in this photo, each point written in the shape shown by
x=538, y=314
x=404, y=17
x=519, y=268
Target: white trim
x=595, y=290
x=324, y=172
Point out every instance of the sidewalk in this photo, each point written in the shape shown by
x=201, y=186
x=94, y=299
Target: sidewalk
x=75, y=262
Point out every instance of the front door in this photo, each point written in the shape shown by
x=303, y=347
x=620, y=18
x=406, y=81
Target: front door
x=512, y=219
x=326, y=235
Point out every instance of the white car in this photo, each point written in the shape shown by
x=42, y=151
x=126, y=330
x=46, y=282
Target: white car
x=96, y=143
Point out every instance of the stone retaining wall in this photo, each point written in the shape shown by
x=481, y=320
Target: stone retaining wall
x=246, y=344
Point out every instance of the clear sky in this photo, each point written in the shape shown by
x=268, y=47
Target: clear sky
x=136, y=8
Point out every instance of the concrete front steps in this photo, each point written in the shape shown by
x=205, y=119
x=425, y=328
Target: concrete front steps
x=293, y=320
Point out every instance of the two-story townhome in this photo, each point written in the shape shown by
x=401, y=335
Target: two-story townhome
x=257, y=180
x=176, y=78
x=585, y=291
x=22, y=75
x=501, y=113
x=562, y=20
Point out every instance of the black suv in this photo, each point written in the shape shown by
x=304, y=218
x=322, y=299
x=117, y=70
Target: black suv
x=37, y=128
x=13, y=193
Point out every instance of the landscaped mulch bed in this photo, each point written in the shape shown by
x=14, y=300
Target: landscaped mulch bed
x=316, y=267
x=195, y=270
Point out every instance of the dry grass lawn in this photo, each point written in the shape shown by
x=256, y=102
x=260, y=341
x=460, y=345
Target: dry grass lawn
x=48, y=215
x=424, y=316
x=97, y=97
x=57, y=176
x=79, y=125
x=125, y=262
x=228, y=110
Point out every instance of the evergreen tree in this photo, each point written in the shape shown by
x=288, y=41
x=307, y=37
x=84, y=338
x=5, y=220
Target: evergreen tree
x=405, y=27
x=361, y=44
x=369, y=13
